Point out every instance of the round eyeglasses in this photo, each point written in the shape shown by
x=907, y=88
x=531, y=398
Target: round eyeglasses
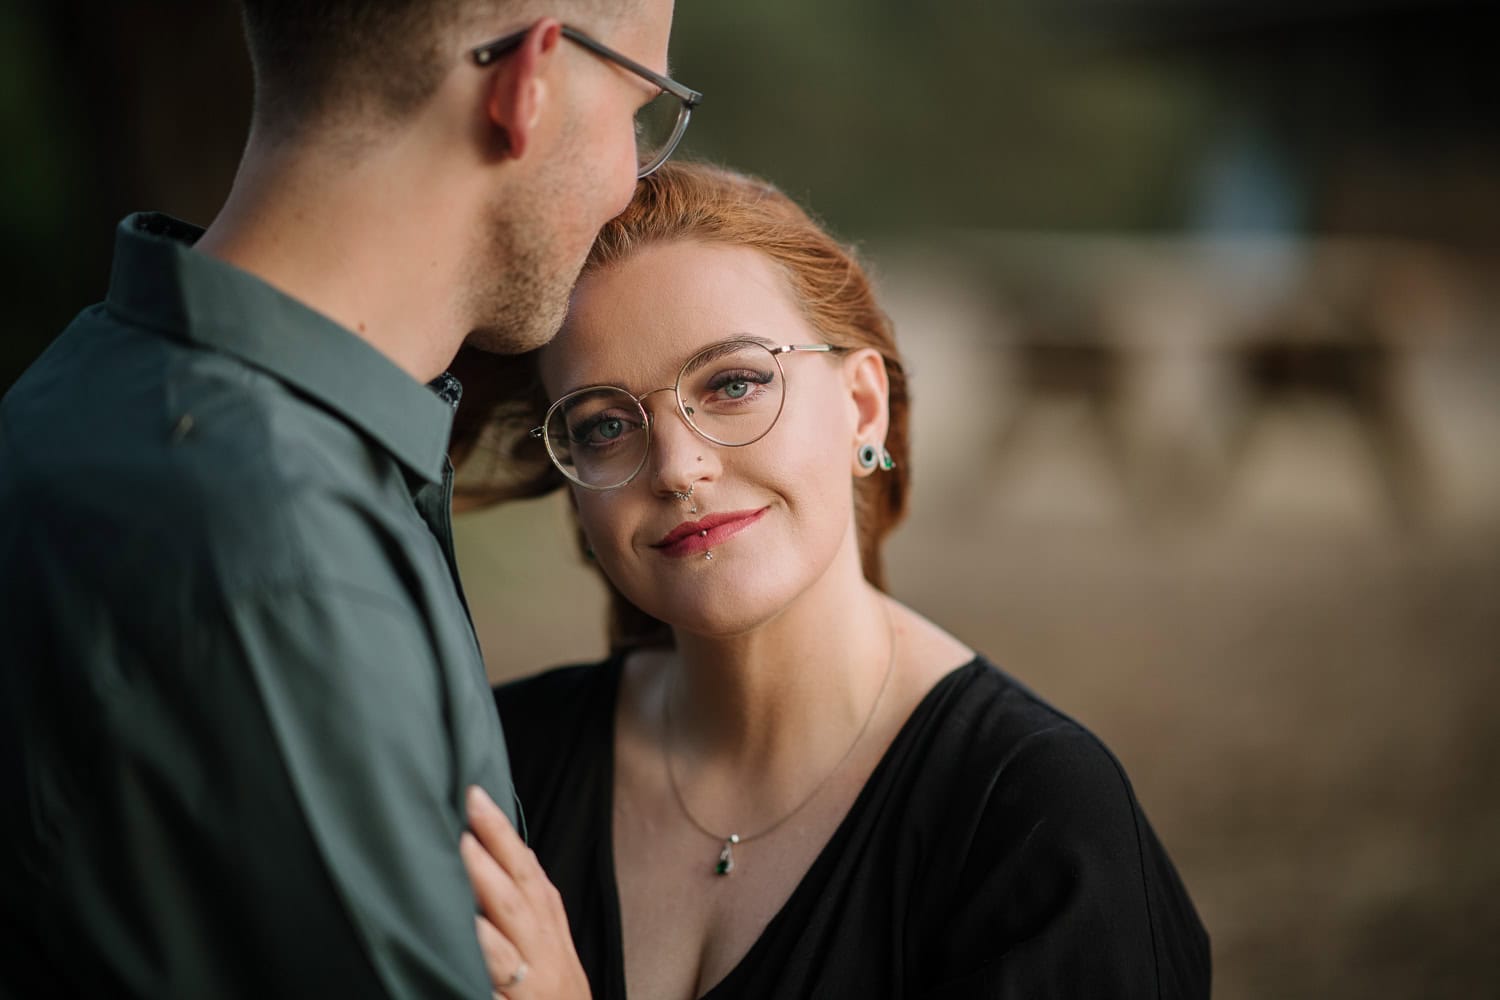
x=730, y=394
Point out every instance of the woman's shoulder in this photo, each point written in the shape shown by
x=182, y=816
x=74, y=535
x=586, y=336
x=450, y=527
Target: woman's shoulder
x=1004, y=773
x=992, y=723
x=980, y=720
x=1017, y=759
x=1034, y=807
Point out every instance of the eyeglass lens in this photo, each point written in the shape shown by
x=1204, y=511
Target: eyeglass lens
x=731, y=394
x=658, y=124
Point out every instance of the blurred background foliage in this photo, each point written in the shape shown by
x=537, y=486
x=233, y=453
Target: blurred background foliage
x=1072, y=115
x=1200, y=299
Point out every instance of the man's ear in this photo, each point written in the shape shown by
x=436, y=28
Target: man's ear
x=517, y=93
x=869, y=398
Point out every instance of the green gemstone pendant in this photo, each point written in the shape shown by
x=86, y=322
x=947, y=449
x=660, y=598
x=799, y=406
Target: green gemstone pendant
x=726, y=856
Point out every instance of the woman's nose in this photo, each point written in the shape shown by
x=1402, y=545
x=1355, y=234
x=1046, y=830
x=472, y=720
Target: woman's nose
x=679, y=457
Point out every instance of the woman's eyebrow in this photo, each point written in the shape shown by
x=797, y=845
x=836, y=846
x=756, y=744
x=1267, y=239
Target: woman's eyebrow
x=726, y=346
x=713, y=352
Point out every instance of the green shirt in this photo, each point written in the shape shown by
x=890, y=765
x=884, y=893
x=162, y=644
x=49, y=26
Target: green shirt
x=240, y=695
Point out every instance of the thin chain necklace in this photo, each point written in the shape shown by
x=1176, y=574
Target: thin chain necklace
x=725, y=864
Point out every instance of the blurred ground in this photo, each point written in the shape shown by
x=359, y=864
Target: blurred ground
x=1299, y=677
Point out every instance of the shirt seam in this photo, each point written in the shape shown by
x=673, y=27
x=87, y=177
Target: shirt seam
x=1065, y=726
x=999, y=769
x=1135, y=831
x=1140, y=859
x=1135, y=815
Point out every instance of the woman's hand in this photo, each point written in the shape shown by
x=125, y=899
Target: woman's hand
x=523, y=931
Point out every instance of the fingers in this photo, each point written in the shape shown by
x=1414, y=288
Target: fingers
x=501, y=959
x=508, y=881
x=499, y=897
x=500, y=839
x=524, y=927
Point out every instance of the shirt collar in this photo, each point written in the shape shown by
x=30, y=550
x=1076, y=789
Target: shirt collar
x=160, y=282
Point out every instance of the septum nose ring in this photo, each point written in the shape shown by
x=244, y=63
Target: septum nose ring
x=686, y=498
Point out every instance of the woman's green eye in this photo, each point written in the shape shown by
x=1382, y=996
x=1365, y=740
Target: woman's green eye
x=611, y=429
x=736, y=390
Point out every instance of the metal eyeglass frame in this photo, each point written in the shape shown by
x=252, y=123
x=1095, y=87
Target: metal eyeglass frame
x=486, y=54
x=682, y=410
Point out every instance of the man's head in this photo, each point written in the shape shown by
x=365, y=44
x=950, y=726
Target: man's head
x=527, y=154
x=352, y=65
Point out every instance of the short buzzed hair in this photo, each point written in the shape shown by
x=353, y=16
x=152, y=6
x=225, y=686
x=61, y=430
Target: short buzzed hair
x=376, y=57
x=368, y=61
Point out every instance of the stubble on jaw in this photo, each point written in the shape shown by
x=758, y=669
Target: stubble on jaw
x=523, y=272
x=519, y=283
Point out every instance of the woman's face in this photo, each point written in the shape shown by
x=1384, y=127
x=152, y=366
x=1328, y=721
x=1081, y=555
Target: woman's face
x=787, y=497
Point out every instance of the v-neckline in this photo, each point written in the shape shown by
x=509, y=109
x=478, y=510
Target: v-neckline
x=605, y=861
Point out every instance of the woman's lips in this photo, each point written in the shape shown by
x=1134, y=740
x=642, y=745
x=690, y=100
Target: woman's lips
x=692, y=537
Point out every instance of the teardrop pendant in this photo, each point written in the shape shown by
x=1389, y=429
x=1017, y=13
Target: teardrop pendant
x=726, y=856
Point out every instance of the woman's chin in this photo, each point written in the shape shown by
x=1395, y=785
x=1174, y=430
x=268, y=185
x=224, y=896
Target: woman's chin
x=713, y=623
x=715, y=612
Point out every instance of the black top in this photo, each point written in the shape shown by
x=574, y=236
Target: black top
x=240, y=697
x=997, y=850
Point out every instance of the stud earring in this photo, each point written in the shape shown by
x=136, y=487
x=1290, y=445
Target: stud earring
x=868, y=456
x=887, y=463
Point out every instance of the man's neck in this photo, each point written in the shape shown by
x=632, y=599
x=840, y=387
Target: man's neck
x=362, y=242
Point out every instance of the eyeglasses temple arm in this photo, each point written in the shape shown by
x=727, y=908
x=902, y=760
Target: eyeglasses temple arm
x=687, y=95
x=789, y=348
x=490, y=51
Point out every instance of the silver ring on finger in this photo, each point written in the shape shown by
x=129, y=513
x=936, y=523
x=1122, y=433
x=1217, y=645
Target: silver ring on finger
x=516, y=979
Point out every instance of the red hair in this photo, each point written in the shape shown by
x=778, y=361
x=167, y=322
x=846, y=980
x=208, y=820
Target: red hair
x=681, y=201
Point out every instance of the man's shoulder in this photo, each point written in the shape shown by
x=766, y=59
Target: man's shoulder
x=109, y=383
x=147, y=445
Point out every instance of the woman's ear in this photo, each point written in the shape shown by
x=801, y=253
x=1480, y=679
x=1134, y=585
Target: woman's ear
x=517, y=91
x=869, y=398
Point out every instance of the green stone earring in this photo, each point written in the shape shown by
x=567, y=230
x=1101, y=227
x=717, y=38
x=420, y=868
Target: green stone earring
x=870, y=457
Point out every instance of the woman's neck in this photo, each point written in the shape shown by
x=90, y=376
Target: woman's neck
x=792, y=692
